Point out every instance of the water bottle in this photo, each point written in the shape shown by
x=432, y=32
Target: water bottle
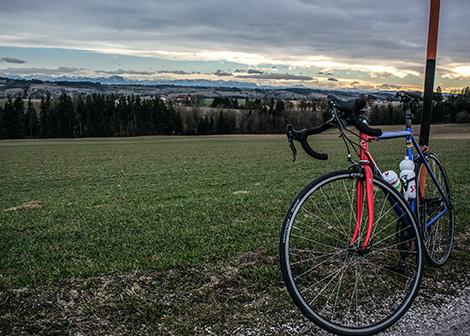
x=392, y=178
x=407, y=177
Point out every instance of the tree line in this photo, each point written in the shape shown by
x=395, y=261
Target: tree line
x=98, y=115
x=87, y=116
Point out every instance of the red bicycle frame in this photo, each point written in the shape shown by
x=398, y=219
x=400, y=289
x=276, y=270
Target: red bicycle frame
x=368, y=164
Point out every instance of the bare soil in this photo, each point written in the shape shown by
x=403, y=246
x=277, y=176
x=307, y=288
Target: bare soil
x=217, y=300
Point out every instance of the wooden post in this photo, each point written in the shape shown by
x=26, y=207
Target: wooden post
x=430, y=72
x=429, y=86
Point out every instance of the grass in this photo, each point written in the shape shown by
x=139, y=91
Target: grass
x=101, y=206
x=163, y=234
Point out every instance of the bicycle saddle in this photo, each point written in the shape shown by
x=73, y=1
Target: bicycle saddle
x=349, y=107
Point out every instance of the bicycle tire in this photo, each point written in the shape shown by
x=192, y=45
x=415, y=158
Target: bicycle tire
x=424, y=212
x=287, y=265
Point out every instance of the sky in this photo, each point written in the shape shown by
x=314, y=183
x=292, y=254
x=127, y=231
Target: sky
x=363, y=44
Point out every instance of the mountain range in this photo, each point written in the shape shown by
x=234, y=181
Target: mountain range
x=79, y=84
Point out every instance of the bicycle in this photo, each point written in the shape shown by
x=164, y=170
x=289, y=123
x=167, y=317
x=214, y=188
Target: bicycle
x=352, y=248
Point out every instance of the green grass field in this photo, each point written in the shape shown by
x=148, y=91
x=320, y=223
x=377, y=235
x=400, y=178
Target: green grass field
x=75, y=209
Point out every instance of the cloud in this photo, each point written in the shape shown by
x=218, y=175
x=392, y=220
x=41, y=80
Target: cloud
x=462, y=70
x=64, y=69
x=175, y=72
x=255, y=72
x=12, y=60
x=342, y=30
x=251, y=71
x=387, y=86
x=278, y=77
x=125, y=72
x=457, y=72
x=221, y=73
x=41, y=71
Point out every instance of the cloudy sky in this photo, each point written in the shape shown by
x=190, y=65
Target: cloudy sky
x=317, y=43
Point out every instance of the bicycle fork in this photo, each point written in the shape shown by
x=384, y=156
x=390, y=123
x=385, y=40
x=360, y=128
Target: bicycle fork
x=367, y=163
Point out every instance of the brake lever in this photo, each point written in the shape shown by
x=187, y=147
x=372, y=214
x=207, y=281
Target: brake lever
x=290, y=138
x=292, y=147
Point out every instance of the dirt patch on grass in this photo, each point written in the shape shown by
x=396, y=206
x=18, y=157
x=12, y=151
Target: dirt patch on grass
x=240, y=192
x=180, y=302
x=26, y=206
x=244, y=296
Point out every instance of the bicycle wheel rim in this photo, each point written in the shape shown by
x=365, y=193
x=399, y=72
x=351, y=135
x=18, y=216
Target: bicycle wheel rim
x=296, y=290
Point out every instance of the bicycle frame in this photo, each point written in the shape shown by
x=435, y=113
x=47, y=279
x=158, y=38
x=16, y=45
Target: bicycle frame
x=370, y=166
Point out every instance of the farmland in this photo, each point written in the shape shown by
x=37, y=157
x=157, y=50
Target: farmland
x=165, y=234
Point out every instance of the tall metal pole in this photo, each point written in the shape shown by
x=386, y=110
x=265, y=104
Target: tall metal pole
x=430, y=72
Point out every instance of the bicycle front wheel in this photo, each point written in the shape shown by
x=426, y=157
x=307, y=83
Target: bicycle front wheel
x=342, y=288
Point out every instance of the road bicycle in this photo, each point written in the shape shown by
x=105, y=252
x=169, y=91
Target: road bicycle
x=352, y=246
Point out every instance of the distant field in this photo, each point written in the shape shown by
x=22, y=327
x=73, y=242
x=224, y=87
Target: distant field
x=75, y=209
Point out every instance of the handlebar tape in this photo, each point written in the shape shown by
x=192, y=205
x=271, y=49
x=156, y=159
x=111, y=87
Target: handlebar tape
x=364, y=128
x=317, y=130
x=309, y=150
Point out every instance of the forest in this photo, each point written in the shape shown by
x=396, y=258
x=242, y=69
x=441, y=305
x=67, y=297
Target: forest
x=99, y=115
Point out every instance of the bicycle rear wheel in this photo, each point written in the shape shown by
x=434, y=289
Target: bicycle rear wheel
x=339, y=287
x=438, y=238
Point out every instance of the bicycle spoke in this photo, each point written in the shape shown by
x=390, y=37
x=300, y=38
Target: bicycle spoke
x=375, y=269
x=339, y=207
x=387, y=248
x=378, y=220
x=316, y=266
x=329, y=205
x=326, y=286
x=321, y=280
x=316, y=258
x=337, y=292
x=393, y=259
x=329, y=226
x=317, y=230
x=389, y=270
x=314, y=241
x=353, y=212
x=393, y=234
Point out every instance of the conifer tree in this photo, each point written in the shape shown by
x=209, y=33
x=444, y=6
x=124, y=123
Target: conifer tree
x=13, y=117
x=31, y=121
x=44, y=116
